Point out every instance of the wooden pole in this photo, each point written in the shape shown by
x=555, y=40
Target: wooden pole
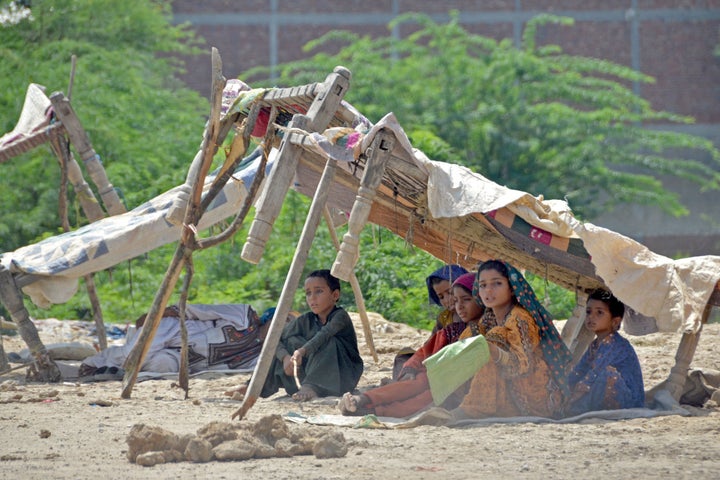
x=71, y=82
x=686, y=351
x=357, y=291
x=92, y=210
x=96, y=310
x=378, y=155
x=184, y=371
x=319, y=114
x=135, y=359
x=176, y=213
x=262, y=367
x=81, y=142
x=88, y=202
x=576, y=336
x=43, y=368
x=4, y=364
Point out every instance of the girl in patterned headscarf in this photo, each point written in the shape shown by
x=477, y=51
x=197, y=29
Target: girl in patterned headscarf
x=530, y=362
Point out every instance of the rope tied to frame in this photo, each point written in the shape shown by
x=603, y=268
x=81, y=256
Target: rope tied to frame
x=417, y=215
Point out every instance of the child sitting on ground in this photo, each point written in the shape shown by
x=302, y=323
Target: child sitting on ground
x=411, y=393
x=439, y=286
x=321, y=342
x=608, y=376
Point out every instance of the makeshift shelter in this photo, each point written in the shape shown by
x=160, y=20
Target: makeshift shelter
x=53, y=121
x=48, y=271
x=330, y=152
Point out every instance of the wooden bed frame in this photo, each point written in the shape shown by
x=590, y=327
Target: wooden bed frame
x=58, y=125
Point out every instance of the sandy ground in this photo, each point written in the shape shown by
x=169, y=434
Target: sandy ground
x=77, y=431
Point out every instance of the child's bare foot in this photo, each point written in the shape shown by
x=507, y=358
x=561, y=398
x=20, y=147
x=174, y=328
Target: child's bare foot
x=351, y=405
x=237, y=393
x=347, y=404
x=304, y=394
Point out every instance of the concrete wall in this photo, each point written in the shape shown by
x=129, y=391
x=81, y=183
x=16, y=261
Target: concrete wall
x=672, y=41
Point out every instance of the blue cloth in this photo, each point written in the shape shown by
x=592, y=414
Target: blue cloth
x=607, y=377
x=446, y=272
x=267, y=315
x=115, y=332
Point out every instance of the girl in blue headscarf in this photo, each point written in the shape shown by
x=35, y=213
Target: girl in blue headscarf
x=439, y=286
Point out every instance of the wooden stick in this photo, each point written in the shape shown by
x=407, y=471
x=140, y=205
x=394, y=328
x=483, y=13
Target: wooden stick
x=287, y=296
x=252, y=193
x=59, y=145
x=70, y=170
x=12, y=369
x=71, y=82
x=359, y=300
x=4, y=363
x=79, y=139
x=46, y=370
x=576, y=336
x=96, y=310
x=137, y=355
x=134, y=361
x=686, y=350
x=295, y=374
x=184, y=372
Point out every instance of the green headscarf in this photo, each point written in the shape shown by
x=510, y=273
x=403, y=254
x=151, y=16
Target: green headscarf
x=556, y=354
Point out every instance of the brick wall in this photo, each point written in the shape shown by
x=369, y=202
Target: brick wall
x=670, y=40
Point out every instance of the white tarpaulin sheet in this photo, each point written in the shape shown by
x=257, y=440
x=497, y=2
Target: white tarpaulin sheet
x=32, y=118
x=58, y=262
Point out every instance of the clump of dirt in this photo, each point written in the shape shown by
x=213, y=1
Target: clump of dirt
x=269, y=437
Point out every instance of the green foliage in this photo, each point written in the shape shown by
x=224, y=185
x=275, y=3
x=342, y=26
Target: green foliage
x=532, y=118
x=142, y=122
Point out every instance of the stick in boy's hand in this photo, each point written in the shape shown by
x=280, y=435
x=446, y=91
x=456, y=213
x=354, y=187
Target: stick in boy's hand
x=295, y=373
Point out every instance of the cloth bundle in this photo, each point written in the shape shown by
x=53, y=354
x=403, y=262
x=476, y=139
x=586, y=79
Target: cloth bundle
x=455, y=364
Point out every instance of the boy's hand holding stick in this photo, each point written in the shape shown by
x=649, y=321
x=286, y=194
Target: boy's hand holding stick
x=295, y=373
